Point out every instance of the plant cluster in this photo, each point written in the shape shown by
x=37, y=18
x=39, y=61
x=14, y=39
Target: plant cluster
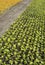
x=24, y=43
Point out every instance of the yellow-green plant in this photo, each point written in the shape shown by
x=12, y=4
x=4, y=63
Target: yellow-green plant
x=24, y=42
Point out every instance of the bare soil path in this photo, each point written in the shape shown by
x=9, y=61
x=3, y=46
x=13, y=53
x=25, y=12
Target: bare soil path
x=8, y=17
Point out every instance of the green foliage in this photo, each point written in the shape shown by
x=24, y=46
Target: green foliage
x=24, y=43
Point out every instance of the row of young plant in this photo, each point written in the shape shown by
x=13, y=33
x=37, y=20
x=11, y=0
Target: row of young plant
x=23, y=43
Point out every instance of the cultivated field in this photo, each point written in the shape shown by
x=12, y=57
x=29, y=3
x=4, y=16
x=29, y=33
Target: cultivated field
x=24, y=42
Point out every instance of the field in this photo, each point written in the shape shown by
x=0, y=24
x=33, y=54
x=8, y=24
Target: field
x=5, y=4
x=24, y=42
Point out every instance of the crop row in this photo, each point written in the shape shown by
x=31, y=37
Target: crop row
x=24, y=43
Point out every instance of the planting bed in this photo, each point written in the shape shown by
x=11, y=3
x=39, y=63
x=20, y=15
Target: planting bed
x=24, y=43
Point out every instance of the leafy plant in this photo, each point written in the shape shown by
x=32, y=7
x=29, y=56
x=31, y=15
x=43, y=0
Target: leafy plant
x=24, y=43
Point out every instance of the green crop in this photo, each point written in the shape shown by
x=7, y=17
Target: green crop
x=24, y=42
